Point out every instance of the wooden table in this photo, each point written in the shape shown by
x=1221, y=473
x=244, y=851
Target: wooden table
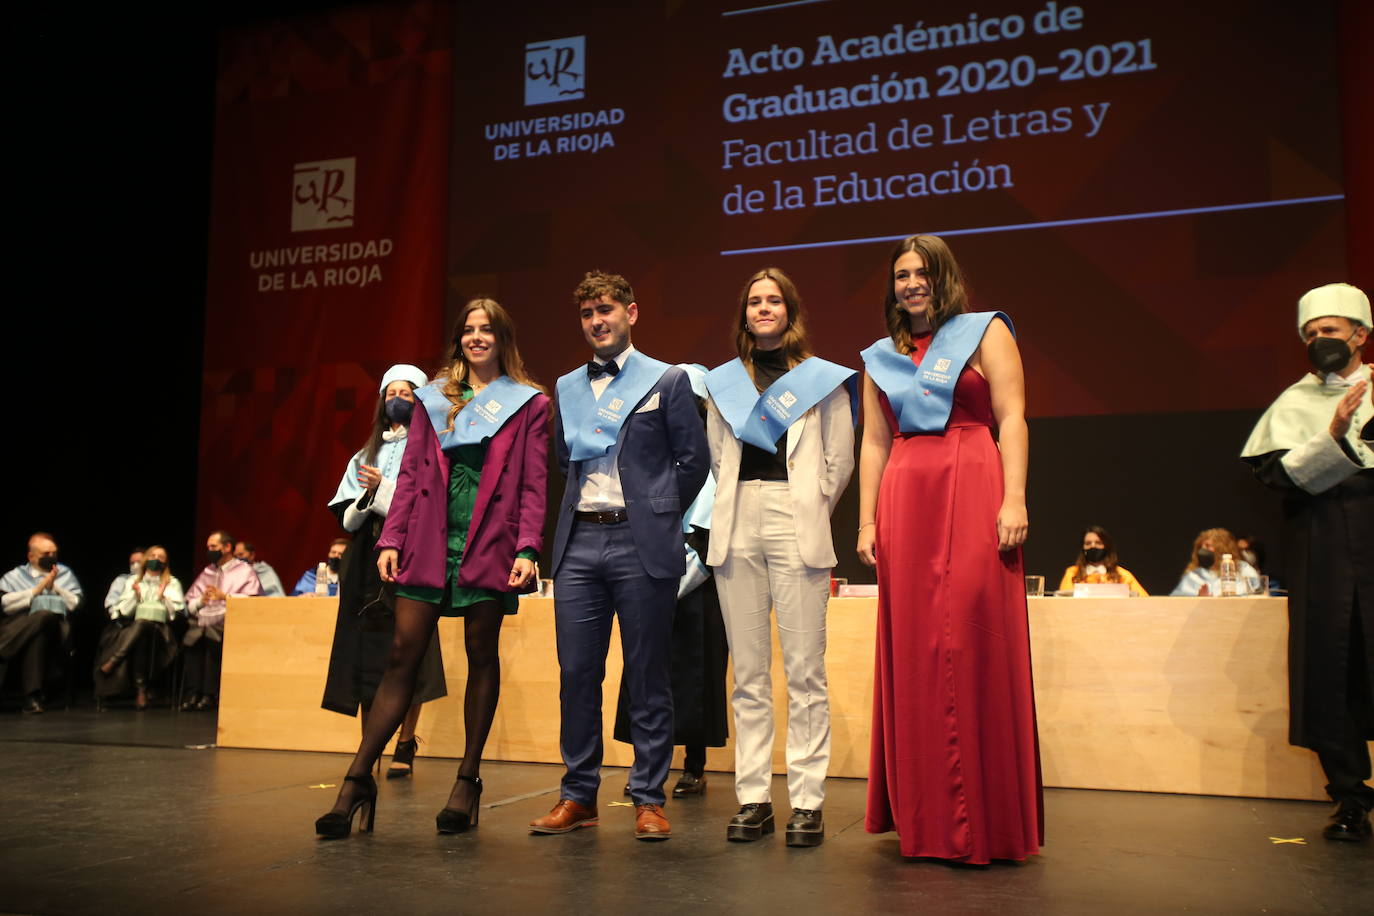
x=1151, y=694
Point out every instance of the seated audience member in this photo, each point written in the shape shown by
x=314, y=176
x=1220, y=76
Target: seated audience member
x=271, y=582
x=139, y=643
x=1097, y=563
x=36, y=598
x=306, y=585
x=117, y=586
x=223, y=577
x=1201, y=575
x=1252, y=551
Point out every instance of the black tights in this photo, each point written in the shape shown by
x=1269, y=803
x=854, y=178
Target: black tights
x=415, y=624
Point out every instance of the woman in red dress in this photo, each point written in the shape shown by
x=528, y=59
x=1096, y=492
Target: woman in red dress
x=955, y=766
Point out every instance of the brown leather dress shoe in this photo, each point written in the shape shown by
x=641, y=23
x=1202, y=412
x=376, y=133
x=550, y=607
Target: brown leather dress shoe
x=650, y=824
x=565, y=817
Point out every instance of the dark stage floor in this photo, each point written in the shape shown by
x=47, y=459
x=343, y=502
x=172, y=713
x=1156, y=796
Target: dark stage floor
x=114, y=813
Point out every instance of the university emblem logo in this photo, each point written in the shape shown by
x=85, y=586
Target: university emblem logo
x=322, y=194
x=556, y=71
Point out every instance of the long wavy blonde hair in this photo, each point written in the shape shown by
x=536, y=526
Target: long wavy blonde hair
x=507, y=354
x=143, y=564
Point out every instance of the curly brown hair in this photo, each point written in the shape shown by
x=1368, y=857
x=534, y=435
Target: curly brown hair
x=598, y=283
x=1223, y=542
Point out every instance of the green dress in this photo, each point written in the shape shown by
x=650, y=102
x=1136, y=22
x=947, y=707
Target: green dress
x=465, y=472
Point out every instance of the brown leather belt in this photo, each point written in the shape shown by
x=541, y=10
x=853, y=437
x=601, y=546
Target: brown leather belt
x=609, y=517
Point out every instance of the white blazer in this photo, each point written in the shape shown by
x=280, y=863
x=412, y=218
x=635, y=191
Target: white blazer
x=820, y=460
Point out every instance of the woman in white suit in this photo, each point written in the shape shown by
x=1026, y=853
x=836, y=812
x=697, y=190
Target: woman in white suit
x=781, y=429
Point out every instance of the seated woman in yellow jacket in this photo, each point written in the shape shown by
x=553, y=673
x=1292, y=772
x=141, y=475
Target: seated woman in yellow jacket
x=1097, y=563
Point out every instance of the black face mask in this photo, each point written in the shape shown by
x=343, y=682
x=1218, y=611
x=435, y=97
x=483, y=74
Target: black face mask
x=1095, y=554
x=334, y=564
x=1328, y=354
x=153, y=566
x=212, y=556
x=1205, y=558
x=398, y=410
x=46, y=563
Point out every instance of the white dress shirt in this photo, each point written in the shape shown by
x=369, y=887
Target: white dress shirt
x=599, y=489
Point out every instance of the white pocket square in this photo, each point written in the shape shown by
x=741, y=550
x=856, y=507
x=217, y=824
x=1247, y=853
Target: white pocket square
x=651, y=404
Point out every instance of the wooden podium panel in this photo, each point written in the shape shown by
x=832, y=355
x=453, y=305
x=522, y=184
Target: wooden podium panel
x=1151, y=694
x=276, y=654
x=1167, y=695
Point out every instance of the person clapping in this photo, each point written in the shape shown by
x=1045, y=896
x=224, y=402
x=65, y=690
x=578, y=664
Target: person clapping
x=1202, y=576
x=142, y=644
x=36, y=598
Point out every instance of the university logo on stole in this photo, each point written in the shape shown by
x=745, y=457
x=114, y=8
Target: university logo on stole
x=489, y=410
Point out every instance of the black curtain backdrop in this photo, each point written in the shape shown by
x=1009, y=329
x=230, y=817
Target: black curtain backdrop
x=102, y=362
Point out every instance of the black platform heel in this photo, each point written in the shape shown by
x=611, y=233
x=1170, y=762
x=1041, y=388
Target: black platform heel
x=403, y=755
x=337, y=826
x=452, y=820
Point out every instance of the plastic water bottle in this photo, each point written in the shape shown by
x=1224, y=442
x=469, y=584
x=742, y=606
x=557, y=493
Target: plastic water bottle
x=1228, y=584
x=322, y=579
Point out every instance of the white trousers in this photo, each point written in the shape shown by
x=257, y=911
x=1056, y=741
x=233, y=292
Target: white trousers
x=763, y=571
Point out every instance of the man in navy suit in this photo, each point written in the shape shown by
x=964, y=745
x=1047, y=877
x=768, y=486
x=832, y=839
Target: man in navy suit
x=632, y=446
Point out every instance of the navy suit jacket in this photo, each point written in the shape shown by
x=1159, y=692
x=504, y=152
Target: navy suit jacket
x=664, y=460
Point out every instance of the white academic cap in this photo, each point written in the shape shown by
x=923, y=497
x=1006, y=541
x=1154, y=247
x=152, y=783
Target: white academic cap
x=404, y=372
x=696, y=374
x=1340, y=299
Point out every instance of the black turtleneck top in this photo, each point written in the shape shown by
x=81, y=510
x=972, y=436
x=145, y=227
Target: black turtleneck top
x=754, y=462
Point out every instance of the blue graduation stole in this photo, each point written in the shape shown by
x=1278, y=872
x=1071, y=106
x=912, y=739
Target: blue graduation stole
x=590, y=427
x=46, y=602
x=698, y=514
x=481, y=418
x=922, y=396
x=762, y=419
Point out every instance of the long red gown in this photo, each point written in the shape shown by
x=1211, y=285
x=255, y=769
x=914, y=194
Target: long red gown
x=955, y=765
